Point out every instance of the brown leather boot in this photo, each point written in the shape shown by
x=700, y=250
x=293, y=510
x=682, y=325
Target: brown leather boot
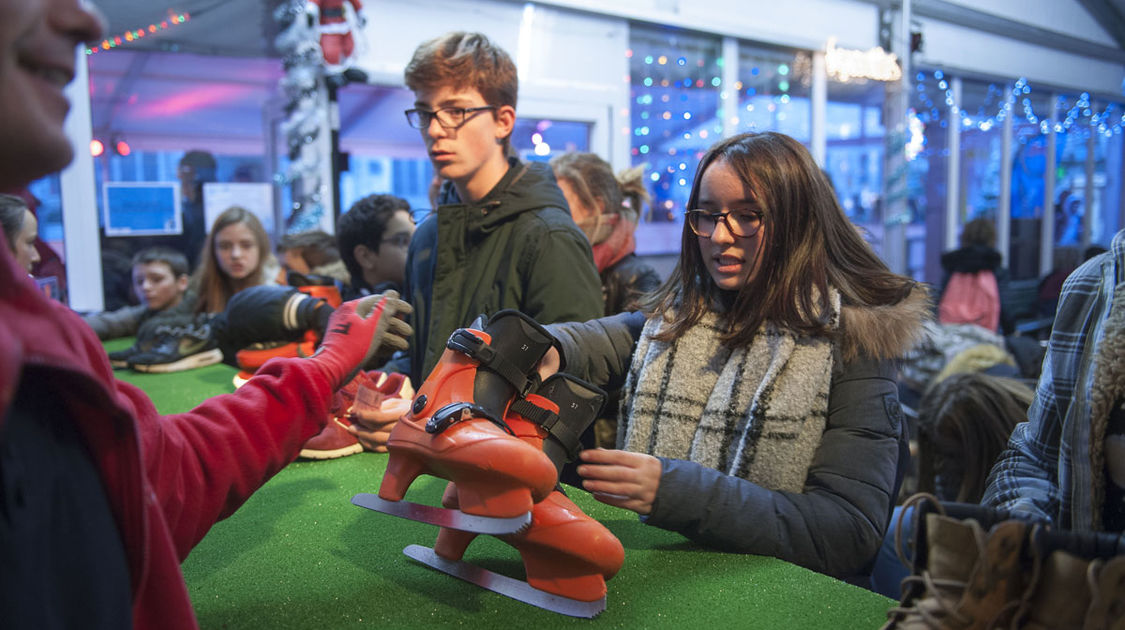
x=964, y=578
x=1074, y=587
x=1107, y=587
x=1060, y=598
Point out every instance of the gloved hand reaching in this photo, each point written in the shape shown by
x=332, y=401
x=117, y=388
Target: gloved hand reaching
x=360, y=329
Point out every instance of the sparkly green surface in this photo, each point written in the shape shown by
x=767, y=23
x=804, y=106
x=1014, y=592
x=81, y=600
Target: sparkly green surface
x=298, y=554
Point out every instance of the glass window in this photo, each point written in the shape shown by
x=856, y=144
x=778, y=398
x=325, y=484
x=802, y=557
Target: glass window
x=1030, y=116
x=676, y=78
x=927, y=182
x=402, y=177
x=854, y=152
x=1070, y=184
x=1109, y=143
x=385, y=155
x=539, y=139
x=981, y=141
x=773, y=92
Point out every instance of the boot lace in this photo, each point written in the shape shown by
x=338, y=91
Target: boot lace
x=934, y=590
x=1023, y=604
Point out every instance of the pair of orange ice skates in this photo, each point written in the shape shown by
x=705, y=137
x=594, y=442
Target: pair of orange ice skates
x=485, y=422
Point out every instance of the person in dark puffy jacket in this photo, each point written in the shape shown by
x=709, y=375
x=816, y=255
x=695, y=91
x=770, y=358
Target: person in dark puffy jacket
x=501, y=236
x=760, y=413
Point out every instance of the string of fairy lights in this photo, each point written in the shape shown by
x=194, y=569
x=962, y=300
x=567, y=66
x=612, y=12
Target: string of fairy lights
x=1075, y=112
x=132, y=35
x=673, y=94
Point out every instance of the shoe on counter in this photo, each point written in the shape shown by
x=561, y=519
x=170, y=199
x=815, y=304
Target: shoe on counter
x=333, y=441
x=255, y=355
x=119, y=359
x=368, y=393
x=177, y=345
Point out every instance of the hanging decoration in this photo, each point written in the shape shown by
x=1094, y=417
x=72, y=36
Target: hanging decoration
x=305, y=121
x=1076, y=113
x=130, y=36
x=846, y=64
x=340, y=26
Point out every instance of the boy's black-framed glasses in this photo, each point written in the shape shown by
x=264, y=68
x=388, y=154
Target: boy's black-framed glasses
x=744, y=223
x=448, y=117
x=398, y=240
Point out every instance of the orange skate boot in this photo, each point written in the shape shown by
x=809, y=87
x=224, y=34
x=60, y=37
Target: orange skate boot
x=323, y=287
x=567, y=555
x=456, y=428
x=255, y=356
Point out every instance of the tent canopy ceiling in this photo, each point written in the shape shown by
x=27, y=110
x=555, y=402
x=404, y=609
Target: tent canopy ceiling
x=215, y=76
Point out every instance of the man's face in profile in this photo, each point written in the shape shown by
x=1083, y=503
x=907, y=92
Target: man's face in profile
x=37, y=56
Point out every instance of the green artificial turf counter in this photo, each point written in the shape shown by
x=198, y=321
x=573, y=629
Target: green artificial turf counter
x=298, y=554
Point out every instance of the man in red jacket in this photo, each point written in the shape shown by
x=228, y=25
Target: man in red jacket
x=100, y=497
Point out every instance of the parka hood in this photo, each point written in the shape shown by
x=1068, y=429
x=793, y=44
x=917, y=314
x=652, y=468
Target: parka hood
x=524, y=187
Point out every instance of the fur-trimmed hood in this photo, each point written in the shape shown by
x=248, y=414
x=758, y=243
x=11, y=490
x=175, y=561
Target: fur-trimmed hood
x=1107, y=390
x=335, y=270
x=884, y=332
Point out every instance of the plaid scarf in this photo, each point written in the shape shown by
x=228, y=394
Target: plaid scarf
x=757, y=413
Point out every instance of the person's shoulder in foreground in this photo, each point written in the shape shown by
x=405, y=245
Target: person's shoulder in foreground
x=1037, y=475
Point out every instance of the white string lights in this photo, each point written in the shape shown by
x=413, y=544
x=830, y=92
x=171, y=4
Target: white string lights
x=1075, y=113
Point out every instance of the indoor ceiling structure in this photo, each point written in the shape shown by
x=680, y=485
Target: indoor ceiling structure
x=215, y=75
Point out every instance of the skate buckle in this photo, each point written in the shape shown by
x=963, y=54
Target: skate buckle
x=463, y=340
x=456, y=412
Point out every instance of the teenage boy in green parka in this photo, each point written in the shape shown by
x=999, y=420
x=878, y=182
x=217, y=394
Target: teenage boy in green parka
x=501, y=236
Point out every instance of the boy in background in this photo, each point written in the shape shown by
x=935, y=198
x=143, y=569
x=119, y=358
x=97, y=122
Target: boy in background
x=501, y=236
x=373, y=237
x=160, y=281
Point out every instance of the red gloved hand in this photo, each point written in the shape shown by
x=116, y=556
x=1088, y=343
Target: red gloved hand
x=357, y=330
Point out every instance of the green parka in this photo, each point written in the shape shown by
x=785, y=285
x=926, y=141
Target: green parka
x=516, y=248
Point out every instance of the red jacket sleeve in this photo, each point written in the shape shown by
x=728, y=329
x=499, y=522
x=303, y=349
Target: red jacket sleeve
x=203, y=464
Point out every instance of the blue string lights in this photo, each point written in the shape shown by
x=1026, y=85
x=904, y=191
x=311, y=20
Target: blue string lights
x=1076, y=113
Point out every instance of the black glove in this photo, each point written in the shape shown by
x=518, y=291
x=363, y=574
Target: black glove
x=268, y=313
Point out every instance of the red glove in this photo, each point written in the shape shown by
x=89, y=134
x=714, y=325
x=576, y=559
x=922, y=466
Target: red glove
x=357, y=330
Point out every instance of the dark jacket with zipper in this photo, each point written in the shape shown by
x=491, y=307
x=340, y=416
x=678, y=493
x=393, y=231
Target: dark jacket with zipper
x=517, y=248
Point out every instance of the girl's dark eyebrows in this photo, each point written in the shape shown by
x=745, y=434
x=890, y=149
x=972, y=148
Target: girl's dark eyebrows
x=738, y=202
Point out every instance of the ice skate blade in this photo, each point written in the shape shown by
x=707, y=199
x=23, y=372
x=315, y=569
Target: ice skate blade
x=442, y=517
x=506, y=586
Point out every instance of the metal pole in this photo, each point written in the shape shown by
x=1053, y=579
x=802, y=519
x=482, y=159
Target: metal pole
x=818, y=102
x=1047, y=226
x=728, y=95
x=895, y=207
x=953, y=166
x=1004, y=207
x=78, y=194
x=1088, y=205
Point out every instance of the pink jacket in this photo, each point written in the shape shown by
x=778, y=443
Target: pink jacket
x=168, y=479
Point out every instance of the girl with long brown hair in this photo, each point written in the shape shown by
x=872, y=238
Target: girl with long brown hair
x=760, y=411
x=236, y=255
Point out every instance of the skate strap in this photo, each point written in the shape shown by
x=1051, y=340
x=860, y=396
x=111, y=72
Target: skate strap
x=456, y=412
x=550, y=421
x=464, y=341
